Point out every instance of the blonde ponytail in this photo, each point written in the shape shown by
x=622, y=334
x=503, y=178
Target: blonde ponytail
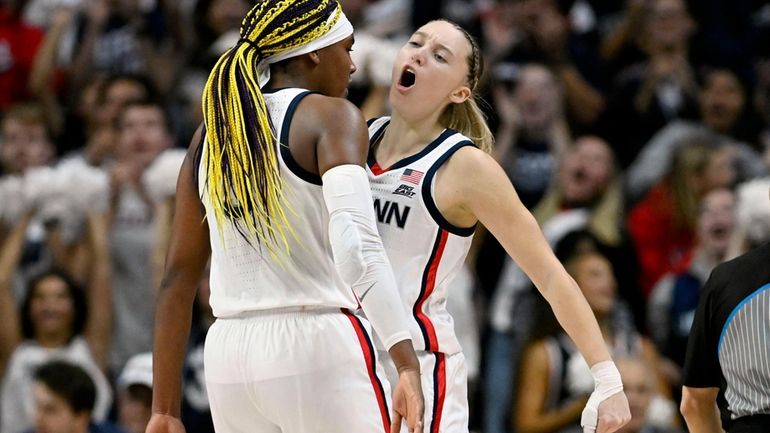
x=468, y=119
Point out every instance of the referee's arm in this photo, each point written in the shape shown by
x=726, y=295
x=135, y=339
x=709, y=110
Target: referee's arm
x=701, y=369
x=700, y=411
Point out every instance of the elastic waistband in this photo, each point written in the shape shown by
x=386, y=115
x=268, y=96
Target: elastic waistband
x=283, y=312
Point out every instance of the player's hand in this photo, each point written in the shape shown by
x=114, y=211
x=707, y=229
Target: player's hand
x=613, y=414
x=408, y=402
x=161, y=423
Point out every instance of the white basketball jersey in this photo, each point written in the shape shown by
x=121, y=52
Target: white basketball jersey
x=425, y=250
x=243, y=276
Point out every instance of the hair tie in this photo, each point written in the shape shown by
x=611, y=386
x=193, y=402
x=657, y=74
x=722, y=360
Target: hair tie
x=251, y=43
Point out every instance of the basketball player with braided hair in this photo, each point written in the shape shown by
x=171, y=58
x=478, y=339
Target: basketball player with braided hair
x=273, y=188
x=433, y=180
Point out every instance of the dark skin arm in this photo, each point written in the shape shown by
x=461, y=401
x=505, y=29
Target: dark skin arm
x=327, y=132
x=189, y=250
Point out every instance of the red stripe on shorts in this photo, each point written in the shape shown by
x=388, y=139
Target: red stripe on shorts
x=371, y=365
x=439, y=391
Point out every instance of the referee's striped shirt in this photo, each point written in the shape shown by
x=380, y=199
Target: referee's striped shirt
x=729, y=345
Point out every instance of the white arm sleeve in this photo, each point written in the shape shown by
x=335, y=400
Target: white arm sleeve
x=359, y=254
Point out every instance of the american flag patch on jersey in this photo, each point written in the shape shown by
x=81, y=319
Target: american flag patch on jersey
x=412, y=176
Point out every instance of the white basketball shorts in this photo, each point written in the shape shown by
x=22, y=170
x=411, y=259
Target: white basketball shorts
x=294, y=371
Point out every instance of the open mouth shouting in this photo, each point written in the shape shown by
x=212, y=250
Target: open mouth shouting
x=407, y=79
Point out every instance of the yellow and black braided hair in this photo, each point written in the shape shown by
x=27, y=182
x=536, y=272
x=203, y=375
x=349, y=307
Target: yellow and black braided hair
x=241, y=161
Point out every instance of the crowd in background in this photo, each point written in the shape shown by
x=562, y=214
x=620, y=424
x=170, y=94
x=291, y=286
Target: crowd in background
x=637, y=132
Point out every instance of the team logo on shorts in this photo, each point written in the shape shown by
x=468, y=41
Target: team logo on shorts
x=405, y=190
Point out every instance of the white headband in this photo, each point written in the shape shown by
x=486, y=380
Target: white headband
x=341, y=30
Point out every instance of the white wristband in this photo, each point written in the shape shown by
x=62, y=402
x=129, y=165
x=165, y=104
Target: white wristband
x=607, y=382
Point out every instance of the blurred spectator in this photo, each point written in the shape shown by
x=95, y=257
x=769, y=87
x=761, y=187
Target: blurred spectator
x=587, y=179
x=723, y=110
x=118, y=91
x=57, y=320
x=143, y=134
x=117, y=36
x=519, y=32
x=135, y=393
x=19, y=43
x=25, y=140
x=724, y=105
x=102, y=119
x=31, y=186
x=533, y=133
x=641, y=394
x=662, y=88
x=89, y=133
x=753, y=217
x=662, y=226
x=555, y=381
x=64, y=400
x=674, y=299
x=54, y=323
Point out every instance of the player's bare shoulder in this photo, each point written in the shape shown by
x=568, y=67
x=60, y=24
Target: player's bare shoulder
x=466, y=166
x=323, y=113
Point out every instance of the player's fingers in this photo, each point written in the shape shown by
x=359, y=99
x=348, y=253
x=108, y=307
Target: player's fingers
x=420, y=412
x=395, y=425
x=417, y=426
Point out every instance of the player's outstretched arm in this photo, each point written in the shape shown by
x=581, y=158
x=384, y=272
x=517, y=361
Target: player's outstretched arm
x=480, y=186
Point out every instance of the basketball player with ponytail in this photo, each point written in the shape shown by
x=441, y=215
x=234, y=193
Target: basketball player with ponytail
x=433, y=180
x=273, y=188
